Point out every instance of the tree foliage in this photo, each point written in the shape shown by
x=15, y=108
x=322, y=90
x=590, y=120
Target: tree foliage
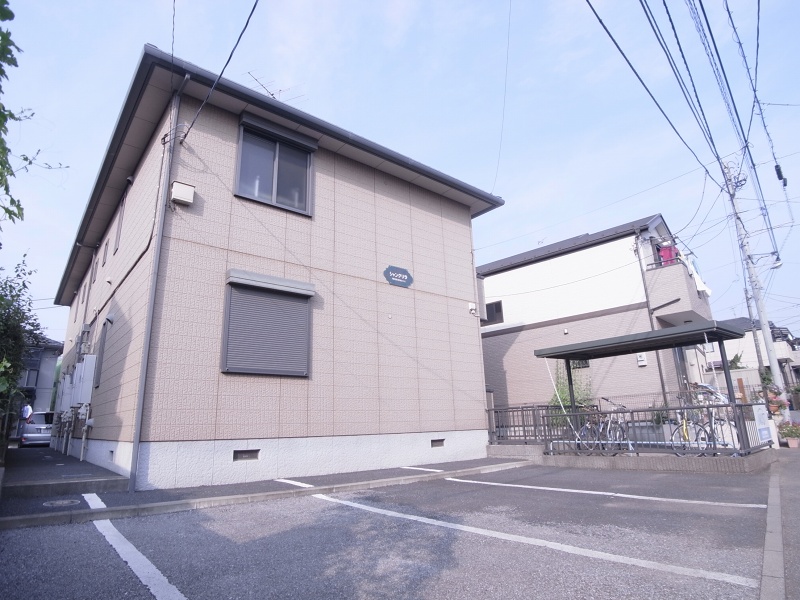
x=581, y=385
x=19, y=326
x=10, y=207
x=736, y=362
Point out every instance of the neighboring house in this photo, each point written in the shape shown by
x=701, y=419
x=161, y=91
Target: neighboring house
x=787, y=351
x=593, y=286
x=271, y=296
x=37, y=379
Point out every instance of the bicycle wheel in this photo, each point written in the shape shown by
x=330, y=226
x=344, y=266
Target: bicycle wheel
x=611, y=440
x=726, y=435
x=703, y=440
x=681, y=441
x=588, y=439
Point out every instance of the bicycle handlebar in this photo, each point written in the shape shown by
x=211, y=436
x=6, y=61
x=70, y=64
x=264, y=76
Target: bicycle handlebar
x=622, y=406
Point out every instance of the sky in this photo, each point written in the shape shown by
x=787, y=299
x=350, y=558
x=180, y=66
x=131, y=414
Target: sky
x=529, y=100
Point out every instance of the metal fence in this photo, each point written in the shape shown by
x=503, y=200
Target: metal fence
x=682, y=429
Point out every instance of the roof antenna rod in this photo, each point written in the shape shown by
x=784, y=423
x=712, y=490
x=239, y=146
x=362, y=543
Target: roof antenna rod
x=230, y=56
x=262, y=85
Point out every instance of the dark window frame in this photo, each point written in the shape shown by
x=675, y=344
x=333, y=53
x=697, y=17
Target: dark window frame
x=281, y=137
x=28, y=373
x=493, y=315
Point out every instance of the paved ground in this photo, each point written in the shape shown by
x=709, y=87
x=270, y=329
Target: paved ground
x=526, y=532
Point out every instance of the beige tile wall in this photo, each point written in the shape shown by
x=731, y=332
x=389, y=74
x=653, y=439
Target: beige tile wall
x=384, y=359
x=124, y=300
x=518, y=377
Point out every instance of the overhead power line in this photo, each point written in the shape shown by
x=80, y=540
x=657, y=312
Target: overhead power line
x=505, y=91
x=727, y=94
x=647, y=89
x=230, y=56
x=696, y=110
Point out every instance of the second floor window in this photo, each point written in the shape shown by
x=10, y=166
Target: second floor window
x=494, y=313
x=274, y=172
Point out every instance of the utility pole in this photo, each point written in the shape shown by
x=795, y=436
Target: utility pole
x=734, y=184
x=754, y=329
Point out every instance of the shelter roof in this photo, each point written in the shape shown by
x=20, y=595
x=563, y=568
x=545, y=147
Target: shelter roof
x=662, y=339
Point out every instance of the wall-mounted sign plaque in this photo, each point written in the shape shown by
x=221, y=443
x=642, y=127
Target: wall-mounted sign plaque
x=398, y=276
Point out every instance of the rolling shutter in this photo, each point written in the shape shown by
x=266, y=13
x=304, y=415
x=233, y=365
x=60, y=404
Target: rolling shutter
x=267, y=332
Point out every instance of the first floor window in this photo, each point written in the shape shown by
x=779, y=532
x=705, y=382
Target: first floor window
x=267, y=329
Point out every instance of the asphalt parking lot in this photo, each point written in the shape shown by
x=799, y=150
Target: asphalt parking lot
x=527, y=532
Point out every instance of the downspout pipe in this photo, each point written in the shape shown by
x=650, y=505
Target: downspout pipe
x=151, y=301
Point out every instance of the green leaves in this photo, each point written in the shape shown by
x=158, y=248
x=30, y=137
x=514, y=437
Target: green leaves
x=19, y=326
x=10, y=207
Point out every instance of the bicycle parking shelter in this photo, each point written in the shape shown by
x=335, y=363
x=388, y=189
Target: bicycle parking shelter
x=691, y=334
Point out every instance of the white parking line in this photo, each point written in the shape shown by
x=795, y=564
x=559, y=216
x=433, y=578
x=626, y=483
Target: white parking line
x=93, y=500
x=297, y=483
x=423, y=469
x=610, y=494
x=146, y=571
x=625, y=560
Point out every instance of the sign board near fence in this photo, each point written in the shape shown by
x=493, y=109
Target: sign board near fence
x=762, y=423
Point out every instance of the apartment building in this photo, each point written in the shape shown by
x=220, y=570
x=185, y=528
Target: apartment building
x=626, y=279
x=262, y=294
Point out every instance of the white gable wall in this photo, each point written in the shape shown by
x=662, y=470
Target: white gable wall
x=594, y=279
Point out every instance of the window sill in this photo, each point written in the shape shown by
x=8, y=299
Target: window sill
x=273, y=205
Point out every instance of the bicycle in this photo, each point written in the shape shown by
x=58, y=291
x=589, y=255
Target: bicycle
x=605, y=432
x=689, y=438
x=614, y=430
x=588, y=436
x=722, y=429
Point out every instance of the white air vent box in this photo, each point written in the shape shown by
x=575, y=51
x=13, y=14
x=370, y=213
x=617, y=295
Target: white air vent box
x=182, y=193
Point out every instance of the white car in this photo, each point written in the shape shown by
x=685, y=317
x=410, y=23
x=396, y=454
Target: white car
x=37, y=429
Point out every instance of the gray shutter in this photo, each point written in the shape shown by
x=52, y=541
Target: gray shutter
x=267, y=332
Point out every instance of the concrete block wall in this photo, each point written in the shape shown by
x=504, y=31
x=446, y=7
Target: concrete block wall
x=197, y=463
